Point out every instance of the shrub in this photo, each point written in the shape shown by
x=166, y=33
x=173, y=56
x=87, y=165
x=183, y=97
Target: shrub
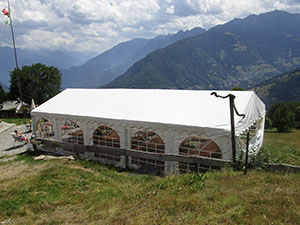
x=283, y=119
x=268, y=123
x=297, y=117
x=237, y=89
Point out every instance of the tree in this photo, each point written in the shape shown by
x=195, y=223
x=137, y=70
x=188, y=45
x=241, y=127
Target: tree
x=237, y=89
x=268, y=123
x=272, y=109
x=297, y=117
x=282, y=118
x=37, y=82
x=2, y=94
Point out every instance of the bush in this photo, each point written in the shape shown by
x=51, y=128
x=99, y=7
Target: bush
x=237, y=89
x=297, y=117
x=283, y=119
x=268, y=123
x=2, y=94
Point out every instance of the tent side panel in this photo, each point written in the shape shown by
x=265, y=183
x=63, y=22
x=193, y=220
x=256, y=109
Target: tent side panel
x=81, y=133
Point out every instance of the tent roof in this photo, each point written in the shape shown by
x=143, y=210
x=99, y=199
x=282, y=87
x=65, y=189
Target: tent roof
x=173, y=107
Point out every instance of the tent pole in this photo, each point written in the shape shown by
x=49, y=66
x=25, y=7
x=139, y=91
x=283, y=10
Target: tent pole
x=231, y=105
x=247, y=151
x=232, y=111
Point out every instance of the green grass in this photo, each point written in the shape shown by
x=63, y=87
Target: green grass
x=17, y=121
x=282, y=147
x=81, y=192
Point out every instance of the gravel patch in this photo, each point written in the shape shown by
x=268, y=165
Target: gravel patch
x=8, y=146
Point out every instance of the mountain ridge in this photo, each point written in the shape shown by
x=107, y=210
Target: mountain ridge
x=223, y=57
x=115, y=61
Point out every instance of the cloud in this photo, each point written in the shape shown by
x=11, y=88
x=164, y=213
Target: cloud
x=292, y=2
x=171, y=9
x=98, y=25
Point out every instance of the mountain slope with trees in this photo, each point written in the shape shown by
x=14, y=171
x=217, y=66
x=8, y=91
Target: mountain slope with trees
x=283, y=88
x=242, y=52
x=107, y=66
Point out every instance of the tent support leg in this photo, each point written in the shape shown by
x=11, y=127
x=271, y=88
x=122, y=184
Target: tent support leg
x=231, y=103
x=232, y=111
x=247, y=151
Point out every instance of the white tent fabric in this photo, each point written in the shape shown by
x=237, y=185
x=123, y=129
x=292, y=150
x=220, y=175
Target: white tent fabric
x=186, y=110
x=177, y=107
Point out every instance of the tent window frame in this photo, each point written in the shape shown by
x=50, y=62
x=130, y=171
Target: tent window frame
x=44, y=129
x=106, y=136
x=197, y=145
x=72, y=133
x=147, y=141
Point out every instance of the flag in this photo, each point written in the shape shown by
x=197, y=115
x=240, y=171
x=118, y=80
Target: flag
x=5, y=12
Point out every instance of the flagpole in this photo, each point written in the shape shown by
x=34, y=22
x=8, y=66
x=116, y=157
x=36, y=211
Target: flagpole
x=15, y=50
x=12, y=35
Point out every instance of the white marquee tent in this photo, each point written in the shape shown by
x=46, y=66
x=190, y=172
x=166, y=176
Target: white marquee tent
x=174, y=115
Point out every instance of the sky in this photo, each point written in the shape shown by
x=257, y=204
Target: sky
x=98, y=25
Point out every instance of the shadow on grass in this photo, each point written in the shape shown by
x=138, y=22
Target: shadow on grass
x=97, y=166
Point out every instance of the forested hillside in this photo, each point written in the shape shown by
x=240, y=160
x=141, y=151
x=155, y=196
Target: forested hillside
x=242, y=52
x=285, y=87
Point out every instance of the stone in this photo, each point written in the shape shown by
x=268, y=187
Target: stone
x=40, y=157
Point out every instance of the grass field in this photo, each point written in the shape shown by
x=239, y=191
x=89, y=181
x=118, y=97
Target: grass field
x=17, y=121
x=79, y=192
x=282, y=147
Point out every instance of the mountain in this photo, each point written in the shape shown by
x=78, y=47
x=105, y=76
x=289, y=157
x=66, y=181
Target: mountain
x=60, y=59
x=242, y=52
x=107, y=66
x=285, y=87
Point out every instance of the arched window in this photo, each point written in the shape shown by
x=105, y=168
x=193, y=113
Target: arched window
x=147, y=141
x=201, y=146
x=106, y=136
x=71, y=133
x=44, y=129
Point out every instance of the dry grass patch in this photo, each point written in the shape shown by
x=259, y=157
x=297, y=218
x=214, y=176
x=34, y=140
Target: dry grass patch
x=10, y=171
